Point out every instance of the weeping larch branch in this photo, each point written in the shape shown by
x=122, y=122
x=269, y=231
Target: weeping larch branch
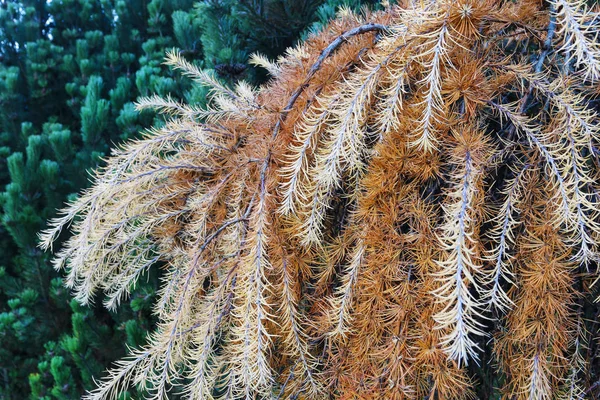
x=412, y=193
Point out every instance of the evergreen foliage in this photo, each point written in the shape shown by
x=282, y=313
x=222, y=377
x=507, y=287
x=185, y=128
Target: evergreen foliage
x=408, y=209
x=70, y=72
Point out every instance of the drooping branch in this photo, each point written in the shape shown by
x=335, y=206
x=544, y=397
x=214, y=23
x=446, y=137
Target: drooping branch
x=325, y=53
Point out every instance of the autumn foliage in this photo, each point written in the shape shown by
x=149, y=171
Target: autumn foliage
x=414, y=189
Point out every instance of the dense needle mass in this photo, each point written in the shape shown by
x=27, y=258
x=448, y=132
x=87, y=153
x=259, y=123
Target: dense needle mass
x=408, y=181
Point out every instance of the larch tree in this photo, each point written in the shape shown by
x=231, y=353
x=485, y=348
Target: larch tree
x=407, y=209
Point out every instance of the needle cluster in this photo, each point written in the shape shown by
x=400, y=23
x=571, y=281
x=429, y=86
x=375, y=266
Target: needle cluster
x=414, y=191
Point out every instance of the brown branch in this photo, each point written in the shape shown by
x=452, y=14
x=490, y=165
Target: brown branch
x=546, y=47
x=527, y=28
x=330, y=49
